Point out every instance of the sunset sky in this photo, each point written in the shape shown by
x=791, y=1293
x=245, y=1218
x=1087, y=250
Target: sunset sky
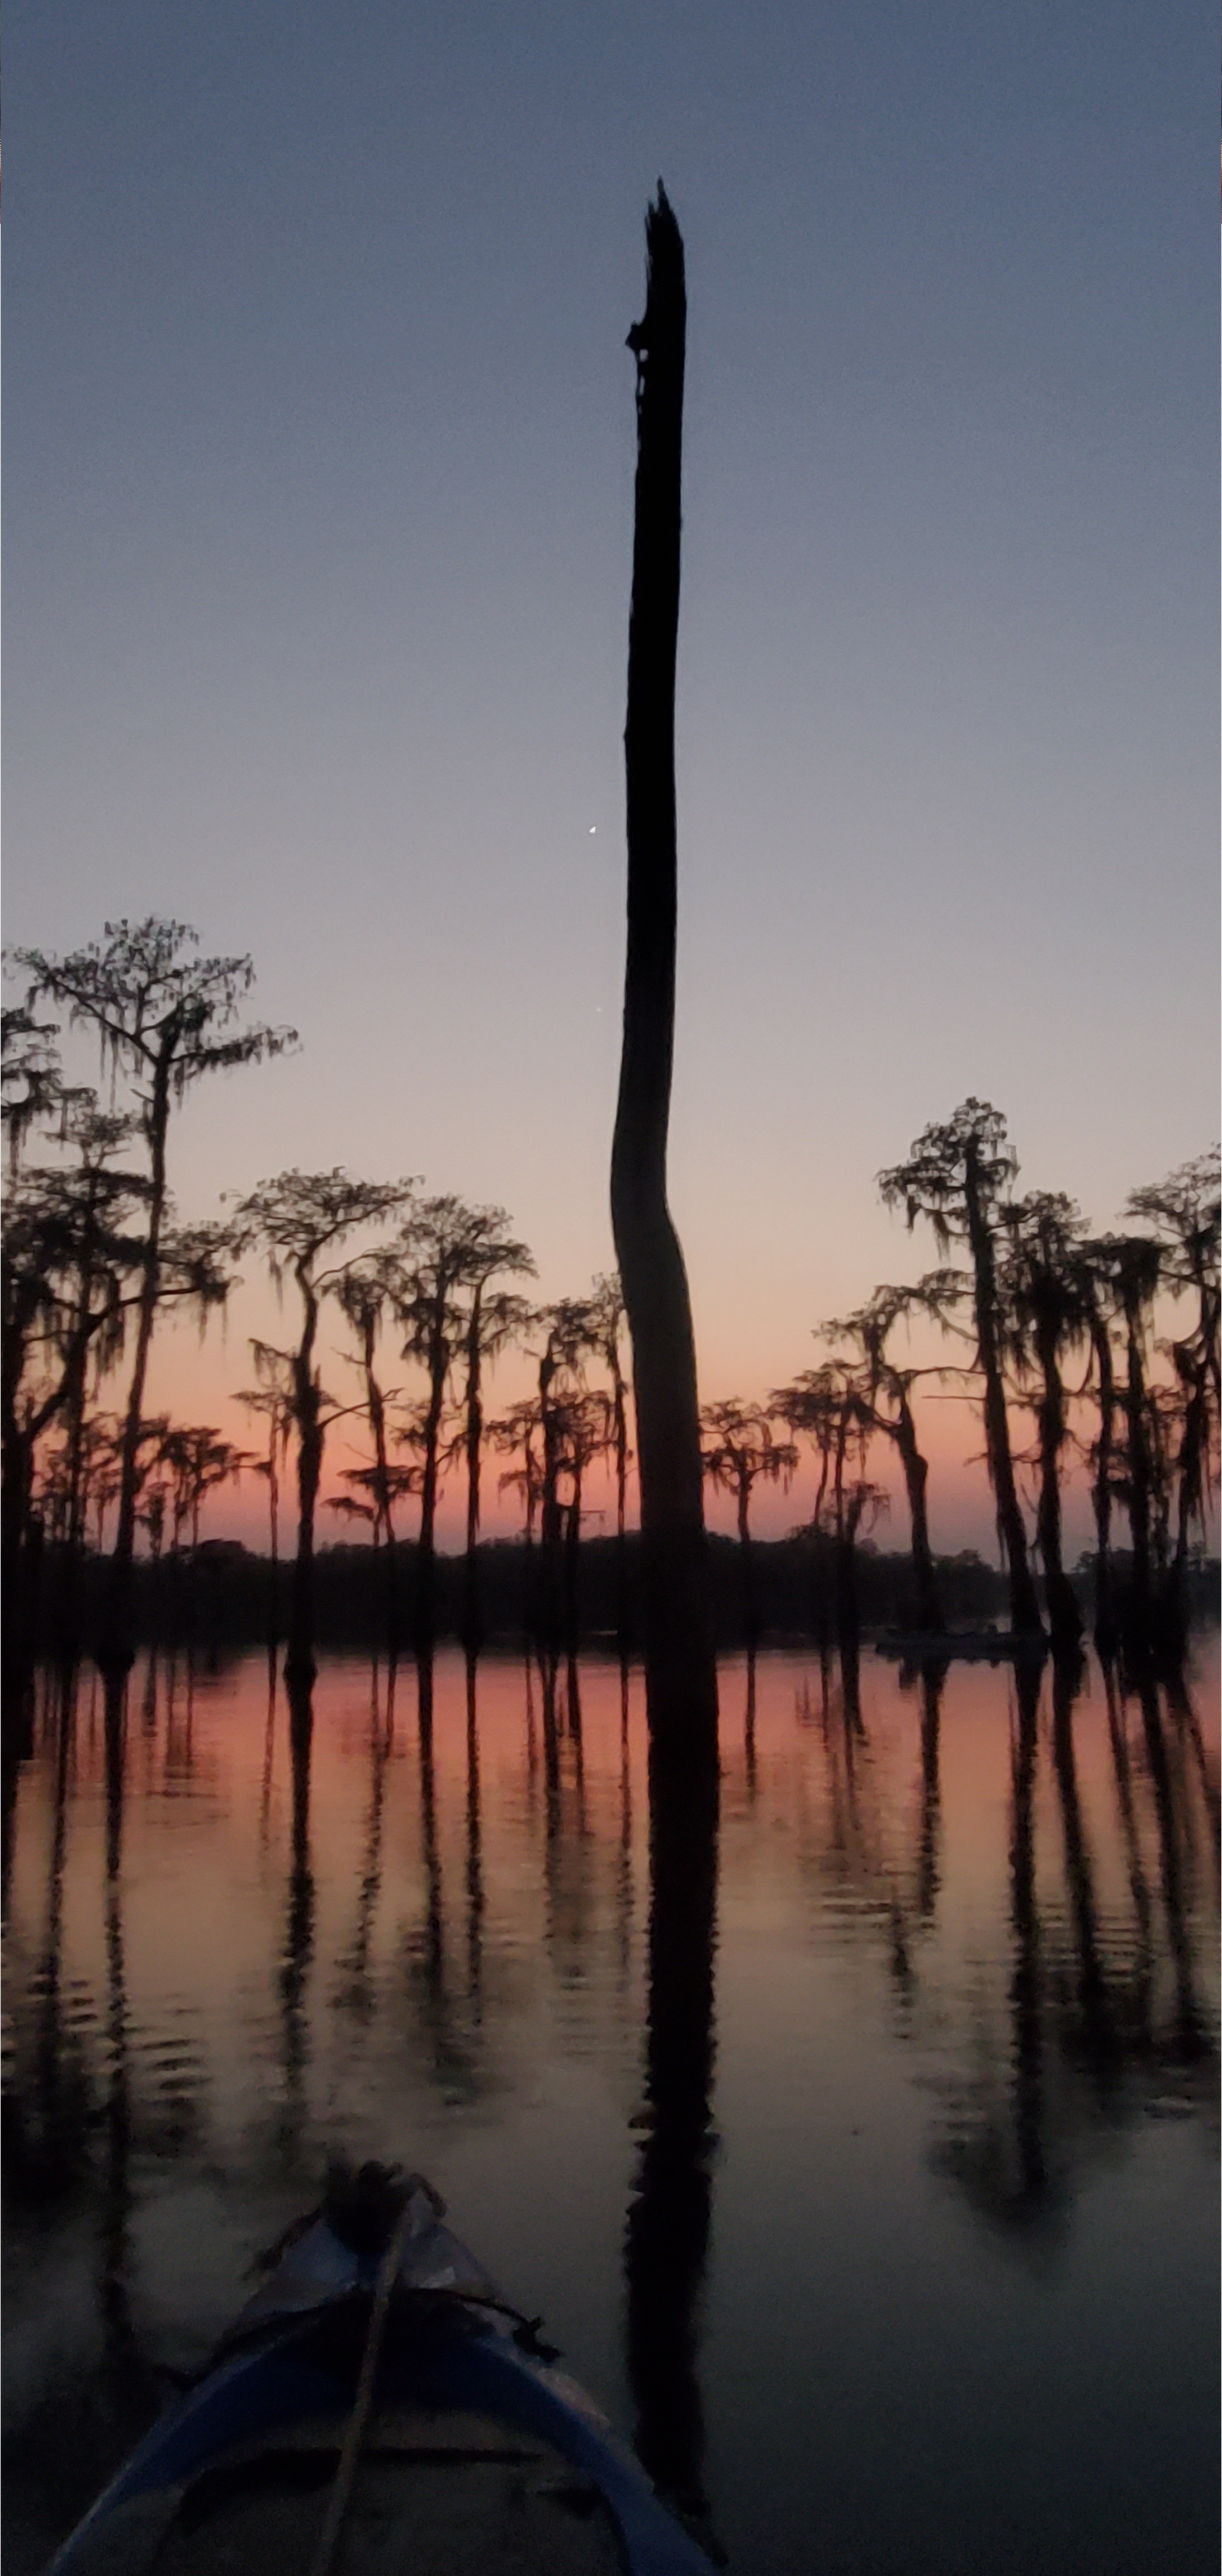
x=320, y=455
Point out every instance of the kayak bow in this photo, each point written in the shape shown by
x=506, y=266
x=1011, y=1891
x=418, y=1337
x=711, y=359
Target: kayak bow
x=379, y=2405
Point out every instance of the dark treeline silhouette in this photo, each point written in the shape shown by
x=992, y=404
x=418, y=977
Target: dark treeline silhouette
x=741, y=1451
x=223, y=1596
x=164, y=1017
x=299, y=1221
x=1088, y=1357
x=956, y=1177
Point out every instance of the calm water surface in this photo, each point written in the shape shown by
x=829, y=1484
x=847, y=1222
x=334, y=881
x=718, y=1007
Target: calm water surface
x=955, y=2305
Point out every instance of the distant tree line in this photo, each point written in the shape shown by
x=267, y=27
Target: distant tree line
x=1050, y=1330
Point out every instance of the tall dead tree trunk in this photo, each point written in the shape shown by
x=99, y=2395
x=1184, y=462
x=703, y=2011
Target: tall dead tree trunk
x=438, y=1363
x=1024, y=1605
x=117, y=1651
x=916, y=1481
x=682, y=1689
x=1140, y=1462
x=1064, y=1616
x=473, y=1437
x=299, y=1662
x=1101, y=1488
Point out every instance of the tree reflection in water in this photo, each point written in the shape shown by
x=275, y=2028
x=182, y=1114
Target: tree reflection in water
x=131, y=2390
x=1018, y=2201
x=623, y=1869
x=355, y=1991
x=45, y=2135
x=1139, y=1889
x=298, y=1951
x=475, y=1877
x=1175, y=1865
x=749, y=1726
x=1094, y=2047
x=16, y=1746
x=269, y=1748
x=431, y=1952
x=1028, y=1893
x=532, y=1737
x=929, y=1842
x=1097, y=2033
x=669, y=2216
x=1188, y=1725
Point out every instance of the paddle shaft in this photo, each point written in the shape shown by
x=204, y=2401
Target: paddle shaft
x=341, y=2491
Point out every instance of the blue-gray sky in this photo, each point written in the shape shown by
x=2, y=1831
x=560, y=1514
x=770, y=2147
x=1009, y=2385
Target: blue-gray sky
x=320, y=450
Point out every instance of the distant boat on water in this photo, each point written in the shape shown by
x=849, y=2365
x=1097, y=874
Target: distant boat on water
x=962, y=1645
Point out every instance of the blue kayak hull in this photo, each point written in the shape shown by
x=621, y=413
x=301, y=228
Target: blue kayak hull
x=452, y=2349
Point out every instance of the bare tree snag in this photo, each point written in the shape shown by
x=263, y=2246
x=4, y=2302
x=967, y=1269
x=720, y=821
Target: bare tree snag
x=682, y=1674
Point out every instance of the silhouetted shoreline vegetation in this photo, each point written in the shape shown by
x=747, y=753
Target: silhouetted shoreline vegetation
x=224, y=1594
x=1050, y=1332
